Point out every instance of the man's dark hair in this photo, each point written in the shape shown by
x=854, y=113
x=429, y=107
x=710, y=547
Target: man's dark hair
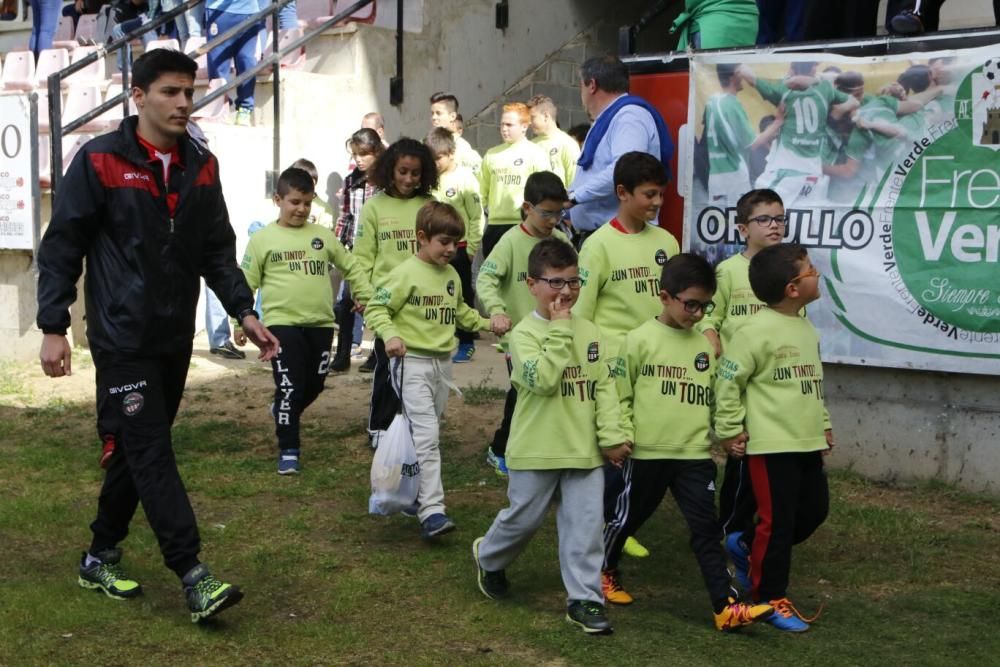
x=687, y=270
x=449, y=100
x=635, y=168
x=579, y=132
x=749, y=201
x=308, y=167
x=381, y=175
x=550, y=253
x=441, y=141
x=915, y=78
x=772, y=268
x=607, y=71
x=294, y=178
x=153, y=64
x=725, y=72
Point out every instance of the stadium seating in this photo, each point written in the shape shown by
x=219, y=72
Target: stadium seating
x=79, y=100
x=190, y=46
x=94, y=74
x=49, y=62
x=19, y=71
x=216, y=111
x=64, y=35
x=86, y=30
x=313, y=12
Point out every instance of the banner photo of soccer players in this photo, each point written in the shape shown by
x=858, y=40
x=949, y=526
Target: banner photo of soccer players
x=889, y=171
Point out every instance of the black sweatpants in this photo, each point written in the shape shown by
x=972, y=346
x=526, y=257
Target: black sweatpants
x=385, y=400
x=692, y=485
x=502, y=434
x=841, y=20
x=299, y=375
x=138, y=398
x=491, y=236
x=792, y=502
x=344, y=312
x=736, y=502
x=463, y=265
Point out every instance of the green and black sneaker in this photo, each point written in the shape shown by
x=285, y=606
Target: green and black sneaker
x=107, y=575
x=206, y=595
x=589, y=617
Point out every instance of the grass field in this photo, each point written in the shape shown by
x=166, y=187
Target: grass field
x=906, y=576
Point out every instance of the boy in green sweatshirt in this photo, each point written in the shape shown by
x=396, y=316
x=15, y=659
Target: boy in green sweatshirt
x=566, y=423
x=761, y=221
x=620, y=265
x=769, y=408
x=458, y=186
x=502, y=282
x=415, y=310
x=287, y=261
x=666, y=402
x=504, y=172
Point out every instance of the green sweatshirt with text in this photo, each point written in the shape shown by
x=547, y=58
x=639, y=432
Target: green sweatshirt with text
x=567, y=407
x=502, y=283
x=734, y=298
x=421, y=303
x=460, y=188
x=502, y=176
x=621, y=279
x=386, y=234
x=289, y=266
x=770, y=379
x=666, y=392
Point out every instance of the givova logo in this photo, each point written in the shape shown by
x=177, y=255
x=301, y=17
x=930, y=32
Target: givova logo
x=946, y=222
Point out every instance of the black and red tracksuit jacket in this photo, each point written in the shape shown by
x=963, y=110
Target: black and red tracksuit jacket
x=143, y=262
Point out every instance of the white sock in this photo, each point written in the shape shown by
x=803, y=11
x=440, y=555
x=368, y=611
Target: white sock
x=90, y=560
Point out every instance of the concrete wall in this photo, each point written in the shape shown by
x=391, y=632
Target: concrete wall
x=896, y=425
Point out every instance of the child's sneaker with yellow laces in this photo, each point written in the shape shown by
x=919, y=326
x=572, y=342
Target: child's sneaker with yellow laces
x=738, y=614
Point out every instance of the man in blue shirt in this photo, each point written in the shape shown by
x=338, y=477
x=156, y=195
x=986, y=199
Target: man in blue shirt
x=622, y=123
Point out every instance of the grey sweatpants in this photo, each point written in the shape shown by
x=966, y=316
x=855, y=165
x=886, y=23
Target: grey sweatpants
x=579, y=520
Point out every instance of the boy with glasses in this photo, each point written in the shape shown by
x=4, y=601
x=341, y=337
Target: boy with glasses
x=566, y=423
x=666, y=403
x=770, y=409
x=502, y=283
x=620, y=266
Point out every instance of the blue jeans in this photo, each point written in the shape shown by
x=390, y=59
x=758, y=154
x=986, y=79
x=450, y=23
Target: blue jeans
x=44, y=21
x=781, y=20
x=240, y=48
x=189, y=23
x=216, y=320
x=121, y=29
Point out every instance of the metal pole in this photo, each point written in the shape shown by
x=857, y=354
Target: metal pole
x=36, y=190
x=276, y=103
x=396, y=82
x=55, y=130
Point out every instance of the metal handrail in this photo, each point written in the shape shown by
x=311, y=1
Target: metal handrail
x=273, y=61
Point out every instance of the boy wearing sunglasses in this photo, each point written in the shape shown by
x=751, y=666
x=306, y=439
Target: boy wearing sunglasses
x=502, y=283
x=666, y=401
x=620, y=266
x=566, y=424
x=770, y=409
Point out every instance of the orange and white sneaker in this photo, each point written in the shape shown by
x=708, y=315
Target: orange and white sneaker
x=613, y=591
x=738, y=614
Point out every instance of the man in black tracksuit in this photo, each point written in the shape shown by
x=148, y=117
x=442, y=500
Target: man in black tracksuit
x=144, y=205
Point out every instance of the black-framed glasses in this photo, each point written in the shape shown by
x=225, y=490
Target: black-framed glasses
x=766, y=220
x=559, y=283
x=548, y=215
x=692, y=306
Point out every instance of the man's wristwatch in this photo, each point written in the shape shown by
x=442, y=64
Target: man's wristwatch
x=246, y=313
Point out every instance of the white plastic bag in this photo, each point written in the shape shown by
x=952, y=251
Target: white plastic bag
x=395, y=470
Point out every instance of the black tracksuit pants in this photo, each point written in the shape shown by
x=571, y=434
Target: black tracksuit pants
x=491, y=236
x=692, y=485
x=736, y=502
x=792, y=502
x=385, y=401
x=463, y=265
x=137, y=399
x=299, y=375
x=502, y=434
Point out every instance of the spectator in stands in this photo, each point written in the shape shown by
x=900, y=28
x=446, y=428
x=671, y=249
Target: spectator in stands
x=622, y=123
x=188, y=23
x=782, y=20
x=126, y=16
x=44, y=21
x=77, y=9
x=716, y=24
x=220, y=16
x=8, y=10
